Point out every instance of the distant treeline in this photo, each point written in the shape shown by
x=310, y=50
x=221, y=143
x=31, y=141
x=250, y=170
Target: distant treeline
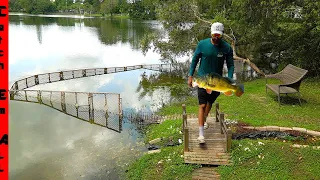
x=135, y=9
x=271, y=33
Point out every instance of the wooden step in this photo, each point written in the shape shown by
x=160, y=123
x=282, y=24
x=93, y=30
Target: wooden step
x=207, y=161
x=207, y=136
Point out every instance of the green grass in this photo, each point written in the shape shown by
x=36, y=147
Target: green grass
x=271, y=160
x=171, y=164
x=167, y=129
x=93, y=15
x=258, y=109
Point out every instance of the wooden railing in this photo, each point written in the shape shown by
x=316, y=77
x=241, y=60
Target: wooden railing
x=224, y=129
x=185, y=128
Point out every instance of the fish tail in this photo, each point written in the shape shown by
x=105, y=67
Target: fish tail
x=240, y=90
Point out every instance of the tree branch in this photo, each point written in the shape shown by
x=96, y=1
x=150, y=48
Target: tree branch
x=233, y=43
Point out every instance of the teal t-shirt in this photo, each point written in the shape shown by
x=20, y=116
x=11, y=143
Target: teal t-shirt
x=212, y=58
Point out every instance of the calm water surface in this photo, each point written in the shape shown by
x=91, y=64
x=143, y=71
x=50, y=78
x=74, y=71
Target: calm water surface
x=46, y=144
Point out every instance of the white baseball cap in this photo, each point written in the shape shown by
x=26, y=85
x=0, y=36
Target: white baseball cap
x=217, y=28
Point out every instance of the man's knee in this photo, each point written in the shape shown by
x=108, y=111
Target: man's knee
x=202, y=105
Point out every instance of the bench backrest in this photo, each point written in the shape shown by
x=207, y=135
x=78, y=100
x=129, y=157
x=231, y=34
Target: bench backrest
x=292, y=74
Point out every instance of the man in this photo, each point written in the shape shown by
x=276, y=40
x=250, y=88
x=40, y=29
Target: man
x=212, y=52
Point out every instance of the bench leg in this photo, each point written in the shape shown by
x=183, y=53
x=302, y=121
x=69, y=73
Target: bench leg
x=279, y=98
x=299, y=97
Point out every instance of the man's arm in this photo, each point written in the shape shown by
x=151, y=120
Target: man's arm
x=195, y=60
x=230, y=63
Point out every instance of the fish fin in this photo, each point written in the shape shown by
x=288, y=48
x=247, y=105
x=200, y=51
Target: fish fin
x=209, y=91
x=228, y=93
x=240, y=90
x=213, y=74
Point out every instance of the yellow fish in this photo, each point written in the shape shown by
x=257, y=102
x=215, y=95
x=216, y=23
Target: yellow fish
x=215, y=82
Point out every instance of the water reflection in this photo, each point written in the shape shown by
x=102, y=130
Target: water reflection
x=109, y=30
x=72, y=148
x=47, y=144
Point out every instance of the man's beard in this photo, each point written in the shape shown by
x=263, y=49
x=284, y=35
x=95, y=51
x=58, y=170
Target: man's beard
x=216, y=40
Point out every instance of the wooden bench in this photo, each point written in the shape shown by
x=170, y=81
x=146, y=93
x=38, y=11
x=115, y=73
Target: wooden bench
x=290, y=77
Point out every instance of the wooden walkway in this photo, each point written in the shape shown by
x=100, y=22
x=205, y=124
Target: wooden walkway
x=212, y=152
x=215, y=150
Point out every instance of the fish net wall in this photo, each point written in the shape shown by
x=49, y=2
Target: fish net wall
x=73, y=74
x=103, y=109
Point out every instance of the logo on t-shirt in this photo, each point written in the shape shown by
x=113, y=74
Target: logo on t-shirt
x=220, y=54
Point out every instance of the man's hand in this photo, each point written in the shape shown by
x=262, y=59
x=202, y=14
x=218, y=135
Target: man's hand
x=190, y=81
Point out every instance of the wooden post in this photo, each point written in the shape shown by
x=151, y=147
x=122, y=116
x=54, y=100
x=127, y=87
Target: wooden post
x=36, y=80
x=186, y=139
x=221, y=122
x=25, y=94
x=185, y=128
x=26, y=82
x=16, y=86
x=39, y=97
x=217, y=112
x=51, y=99
x=77, y=105
x=90, y=103
x=120, y=112
x=61, y=76
x=106, y=110
x=63, y=102
x=229, y=137
x=184, y=116
x=12, y=95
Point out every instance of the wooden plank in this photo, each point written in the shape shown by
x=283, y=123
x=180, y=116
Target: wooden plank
x=208, y=145
x=208, y=153
x=207, y=135
x=214, y=156
x=198, y=149
x=208, y=162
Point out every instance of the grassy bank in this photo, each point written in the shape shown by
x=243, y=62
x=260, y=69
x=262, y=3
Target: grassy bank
x=169, y=163
x=271, y=159
x=258, y=109
x=252, y=159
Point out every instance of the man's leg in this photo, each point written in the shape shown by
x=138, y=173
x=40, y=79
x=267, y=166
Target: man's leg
x=201, y=122
x=201, y=117
x=206, y=112
x=213, y=96
x=202, y=97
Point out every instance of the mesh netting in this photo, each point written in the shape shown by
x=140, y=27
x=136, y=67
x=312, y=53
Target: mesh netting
x=99, y=108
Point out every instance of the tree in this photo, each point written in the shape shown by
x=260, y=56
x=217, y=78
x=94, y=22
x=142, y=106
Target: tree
x=262, y=30
x=109, y=6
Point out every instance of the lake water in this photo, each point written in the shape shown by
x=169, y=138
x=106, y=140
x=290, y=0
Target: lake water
x=47, y=144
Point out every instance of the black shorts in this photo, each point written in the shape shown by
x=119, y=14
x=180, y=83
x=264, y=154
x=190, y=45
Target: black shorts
x=205, y=98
